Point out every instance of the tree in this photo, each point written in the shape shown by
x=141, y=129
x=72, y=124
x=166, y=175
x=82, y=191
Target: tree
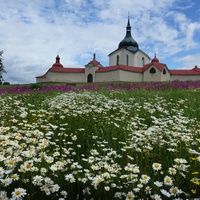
x=2, y=70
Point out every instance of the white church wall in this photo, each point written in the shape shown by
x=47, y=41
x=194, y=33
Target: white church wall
x=45, y=79
x=151, y=77
x=138, y=59
x=91, y=69
x=41, y=80
x=165, y=77
x=122, y=54
x=130, y=76
x=185, y=77
x=141, y=59
x=66, y=77
x=113, y=58
x=107, y=76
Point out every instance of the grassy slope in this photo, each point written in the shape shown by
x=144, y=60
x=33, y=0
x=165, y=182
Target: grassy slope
x=98, y=124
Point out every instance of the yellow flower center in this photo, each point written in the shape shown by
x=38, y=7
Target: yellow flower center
x=28, y=166
x=17, y=192
x=14, y=176
x=174, y=191
x=129, y=196
x=145, y=177
x=156, y=165
x=168, y=180
x=10, y=162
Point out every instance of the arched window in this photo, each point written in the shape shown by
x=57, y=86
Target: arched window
x=152, y=70
x=90, y=78
x=164, y=71
x=127, y=60
x=117, y=61
x=143, y=61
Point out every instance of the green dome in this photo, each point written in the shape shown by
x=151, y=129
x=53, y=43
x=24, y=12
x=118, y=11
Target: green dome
x=128, y=42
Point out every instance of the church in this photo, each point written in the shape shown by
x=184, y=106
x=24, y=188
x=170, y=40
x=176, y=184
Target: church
x=128, y=63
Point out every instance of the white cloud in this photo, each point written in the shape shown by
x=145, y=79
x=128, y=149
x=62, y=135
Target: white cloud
x=189, y=60
x=186, y=29
x=33, y=32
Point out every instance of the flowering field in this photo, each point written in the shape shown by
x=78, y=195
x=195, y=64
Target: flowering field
x=101, y=145
x=147, y=86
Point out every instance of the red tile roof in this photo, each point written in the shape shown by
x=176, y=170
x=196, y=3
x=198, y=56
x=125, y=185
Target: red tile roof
x=154, y=60
x=158, y=65
x=57, y=65
x=122, y=67
x=94, y=62
x=68, y=70
x=63, y=70
x=43, y=76
x=184, y=72
x=196, y=68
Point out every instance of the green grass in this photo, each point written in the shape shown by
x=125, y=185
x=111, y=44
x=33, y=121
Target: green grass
x=91, y=142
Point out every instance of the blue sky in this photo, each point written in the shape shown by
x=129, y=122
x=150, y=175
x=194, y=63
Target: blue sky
x=34, y=32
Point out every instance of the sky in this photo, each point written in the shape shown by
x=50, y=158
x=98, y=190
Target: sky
x=33, y=33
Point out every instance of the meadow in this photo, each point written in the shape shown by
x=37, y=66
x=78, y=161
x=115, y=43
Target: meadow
x=100, y=142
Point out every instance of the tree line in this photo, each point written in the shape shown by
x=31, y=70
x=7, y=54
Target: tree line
x=2, y=68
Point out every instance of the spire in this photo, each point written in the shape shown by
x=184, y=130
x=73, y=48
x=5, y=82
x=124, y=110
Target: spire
x=57, y=63
x=128, y=27
x=57, y=59
x=128, y=20
x=128, y=42
x=94, y=56
x=155, y=59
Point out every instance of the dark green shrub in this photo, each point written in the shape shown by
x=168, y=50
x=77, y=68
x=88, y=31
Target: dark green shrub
x=35, y=86
x=6, y=83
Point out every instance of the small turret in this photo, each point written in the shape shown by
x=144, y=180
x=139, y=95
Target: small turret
x=155, y=60
x=57, y=63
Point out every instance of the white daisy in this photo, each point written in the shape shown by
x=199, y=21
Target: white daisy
x=107, y=188
x=145, y=179
x=18, y=193
x=172, y=170
x=55, y=188
x=130, y=195
x=148, y=190
x=157, y=197
x=156, y=166
x=158, y=184
x=175, y=191
x=6, y=181
x=168, y=180
x=164, y=192
x=3, y=195
x=37, y=180
x=15, y=177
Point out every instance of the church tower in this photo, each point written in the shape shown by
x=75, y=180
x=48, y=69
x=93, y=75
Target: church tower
x=128, y=52
x=128, y=42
